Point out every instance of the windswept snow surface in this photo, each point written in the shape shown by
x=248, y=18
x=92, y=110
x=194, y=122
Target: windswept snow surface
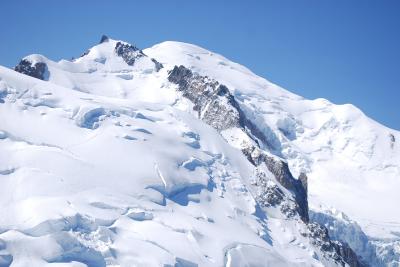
x=106, y=164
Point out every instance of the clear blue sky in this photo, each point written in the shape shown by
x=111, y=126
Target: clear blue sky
x=345, y=51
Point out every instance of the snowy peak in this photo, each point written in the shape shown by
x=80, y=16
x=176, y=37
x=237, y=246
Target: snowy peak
x=108, y=55
x=34, y=66
x=108, y=49
x=104, y=38
x=178, y=140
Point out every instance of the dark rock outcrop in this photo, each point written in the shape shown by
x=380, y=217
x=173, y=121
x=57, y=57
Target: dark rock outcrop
x=213, y=102
x=157, y=64
x=37, y=70
x=281, y=171
x=131, y=53
x=128, y=52
x=347, y=231
x=340, y=252
x=103, y=39
x=392, y=140
x=348, y=255
x=283, y=175
x=269, y=195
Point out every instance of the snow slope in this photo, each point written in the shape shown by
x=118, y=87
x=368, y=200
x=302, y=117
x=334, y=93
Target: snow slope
x=105, y=163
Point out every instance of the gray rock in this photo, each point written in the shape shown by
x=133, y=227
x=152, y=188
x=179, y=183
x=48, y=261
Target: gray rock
x=392, y=140
x=375, y=252
x=348, y=255
x=269, y=194
x=131, y=53
x=340, y=252
x=213, y=102
x=216, y=105
x=37, y=70
x=103, y=39
x=128, y=52
x=157, y=64
x=283, y=175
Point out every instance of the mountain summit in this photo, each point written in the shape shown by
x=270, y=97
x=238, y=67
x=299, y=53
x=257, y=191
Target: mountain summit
x=175, y=156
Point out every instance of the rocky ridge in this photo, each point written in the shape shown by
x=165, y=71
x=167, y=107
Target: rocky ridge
x=217, y=107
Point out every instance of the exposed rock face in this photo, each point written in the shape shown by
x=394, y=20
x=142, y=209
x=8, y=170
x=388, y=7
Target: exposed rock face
x=131, y=53
x=217, y=107
x=392, y=140
x=158, y=65
x=181, y=76
x=128, y=52
x=37, y=70
x=348, y=255
x=283, y=175
x=320, y=238
x=336, y=250
x=269, y=194
x=103, y=39
x=213, y=101
x=377, y=252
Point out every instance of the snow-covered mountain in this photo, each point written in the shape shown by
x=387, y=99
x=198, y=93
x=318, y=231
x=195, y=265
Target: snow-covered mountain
x=176, y=156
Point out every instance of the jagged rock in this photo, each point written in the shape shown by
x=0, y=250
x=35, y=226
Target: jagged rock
x=215, y=104
x=392, y=140
x=157, y=64
x=128, y=52
x=37, y=70
x=289, y=208
x=269, y=193
x=181, y=76
x=103, y=39
x=338, y=251
x=131, y=53
x=213, y=101
x=343, y=229
x=283, y=175
x=348, y=255
x=320, y=236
